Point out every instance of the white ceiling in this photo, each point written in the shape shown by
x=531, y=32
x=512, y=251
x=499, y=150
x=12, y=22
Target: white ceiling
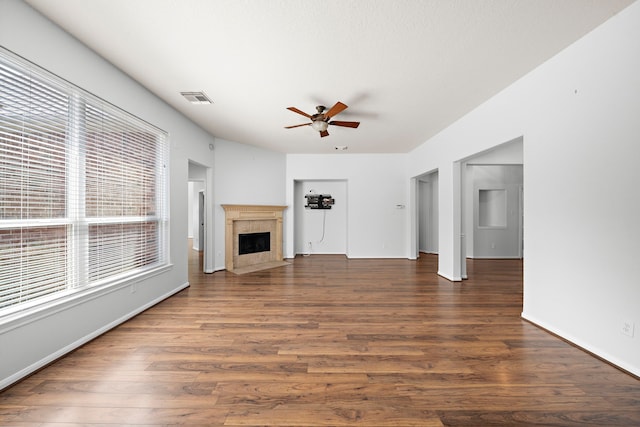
x=406, y=69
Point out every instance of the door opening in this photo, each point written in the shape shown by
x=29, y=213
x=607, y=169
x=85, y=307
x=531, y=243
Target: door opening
x=200, y=218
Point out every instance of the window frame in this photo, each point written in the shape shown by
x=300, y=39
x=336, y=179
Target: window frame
x=75, y=217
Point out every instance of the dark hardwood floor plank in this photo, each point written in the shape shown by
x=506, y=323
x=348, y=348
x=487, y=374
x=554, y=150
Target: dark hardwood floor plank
x=330, y=414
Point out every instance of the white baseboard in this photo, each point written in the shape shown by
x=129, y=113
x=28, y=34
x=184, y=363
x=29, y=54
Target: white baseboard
x=6, y=382
x=450, y=278
x=597, y=352
x=495, y=257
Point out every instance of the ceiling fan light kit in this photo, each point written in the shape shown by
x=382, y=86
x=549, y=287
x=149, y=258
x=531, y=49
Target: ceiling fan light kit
x=319, y=125
x=320, y=121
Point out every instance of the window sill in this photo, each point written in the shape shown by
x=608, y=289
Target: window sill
x=59, y=303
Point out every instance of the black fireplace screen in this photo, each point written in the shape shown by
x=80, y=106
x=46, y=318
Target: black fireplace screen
x=254, y=242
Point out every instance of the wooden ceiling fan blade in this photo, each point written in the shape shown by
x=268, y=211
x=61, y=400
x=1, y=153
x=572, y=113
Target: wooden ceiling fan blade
x=335, y=110
x=297, y=126
x=324, y=133
x=345, y=124
x=295, y=110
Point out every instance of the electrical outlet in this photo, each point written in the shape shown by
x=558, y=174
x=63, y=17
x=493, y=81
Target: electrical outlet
x=628, y=328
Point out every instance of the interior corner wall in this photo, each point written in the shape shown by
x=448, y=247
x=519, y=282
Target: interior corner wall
x=376, y=200
x=578, y=116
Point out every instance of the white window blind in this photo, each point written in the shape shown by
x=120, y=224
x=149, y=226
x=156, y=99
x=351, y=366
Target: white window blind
x=82, y=188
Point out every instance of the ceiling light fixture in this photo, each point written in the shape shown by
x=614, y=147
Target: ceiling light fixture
x=319, y=125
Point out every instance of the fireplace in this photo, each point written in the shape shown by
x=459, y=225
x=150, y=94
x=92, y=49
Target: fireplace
x=253, y=237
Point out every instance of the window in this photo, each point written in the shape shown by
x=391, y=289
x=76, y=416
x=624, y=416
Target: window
x=82, y=189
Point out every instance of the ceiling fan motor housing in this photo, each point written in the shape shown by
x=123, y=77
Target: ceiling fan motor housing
x=320, y=114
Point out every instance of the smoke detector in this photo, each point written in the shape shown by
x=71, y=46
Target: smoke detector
x=341, y=147
x=196, y=97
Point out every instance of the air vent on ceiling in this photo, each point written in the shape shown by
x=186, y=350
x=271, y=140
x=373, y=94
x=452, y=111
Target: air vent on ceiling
x=196, y=97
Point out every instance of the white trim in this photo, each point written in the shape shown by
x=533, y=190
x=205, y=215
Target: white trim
x=6, y=382
x=360, y=256
x=496, y=257
x=608, y=357
x=450, y=278
x=74, y=298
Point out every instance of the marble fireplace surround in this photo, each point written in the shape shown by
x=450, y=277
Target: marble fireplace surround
x=241, y=219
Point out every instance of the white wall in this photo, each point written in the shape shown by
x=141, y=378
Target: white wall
x=578, y=114
x=247, y=175
x=320, y=231
x=190, y=211
x=376, y=184
x=29, y=343
x=509, y=153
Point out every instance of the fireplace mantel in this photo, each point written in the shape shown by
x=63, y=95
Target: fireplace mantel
x=252, y=218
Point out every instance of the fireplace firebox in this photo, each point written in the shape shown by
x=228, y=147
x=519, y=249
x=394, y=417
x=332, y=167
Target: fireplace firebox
x=252, y=243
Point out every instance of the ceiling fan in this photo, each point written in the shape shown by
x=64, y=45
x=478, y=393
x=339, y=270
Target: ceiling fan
x=320, y=120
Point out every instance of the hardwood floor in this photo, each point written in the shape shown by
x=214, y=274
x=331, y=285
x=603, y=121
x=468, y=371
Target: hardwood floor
x=328, y=341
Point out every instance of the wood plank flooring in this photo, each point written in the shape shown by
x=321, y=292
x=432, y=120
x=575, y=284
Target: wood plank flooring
x=327, y=341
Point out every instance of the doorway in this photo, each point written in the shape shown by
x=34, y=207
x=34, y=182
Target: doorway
x=200, y=215
x=492, y=200
x=427, y=214
x=496, y=214
x=426, y=219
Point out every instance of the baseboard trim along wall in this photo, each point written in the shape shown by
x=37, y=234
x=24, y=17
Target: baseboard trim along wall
x=6, y=382
x=595, y=352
